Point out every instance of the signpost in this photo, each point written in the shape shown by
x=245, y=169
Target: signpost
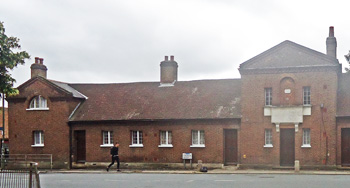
x=187, y=156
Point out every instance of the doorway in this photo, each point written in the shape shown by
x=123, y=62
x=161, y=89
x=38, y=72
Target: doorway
x=287, y=147
x=80, y=146
x=345, y=147
x=231, y=151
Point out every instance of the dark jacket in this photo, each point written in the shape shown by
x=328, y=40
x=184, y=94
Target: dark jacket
x=114, y=150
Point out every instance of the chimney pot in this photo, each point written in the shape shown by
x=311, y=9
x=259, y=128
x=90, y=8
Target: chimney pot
x=36, y=60
x=172, y=58
x=166, y=58
x=41, y=61
x=331, y=31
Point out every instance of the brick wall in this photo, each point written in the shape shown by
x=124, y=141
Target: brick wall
x=253, y=123
x=52, y=122
x=181, y=134
x=6, y=123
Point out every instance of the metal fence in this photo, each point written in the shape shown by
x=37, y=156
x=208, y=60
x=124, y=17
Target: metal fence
x=14, y=161
x=28, y=178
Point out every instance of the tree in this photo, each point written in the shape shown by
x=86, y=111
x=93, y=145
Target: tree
x=10, y=57
x=347, y=57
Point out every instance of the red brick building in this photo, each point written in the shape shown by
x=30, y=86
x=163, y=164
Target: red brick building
x=290, y=104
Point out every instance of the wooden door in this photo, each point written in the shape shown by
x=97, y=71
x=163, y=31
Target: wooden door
x=231, y=151
x=345, y=147
x=287, y=147
x=80, y=146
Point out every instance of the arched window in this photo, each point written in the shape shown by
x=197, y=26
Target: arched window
x=38, y=102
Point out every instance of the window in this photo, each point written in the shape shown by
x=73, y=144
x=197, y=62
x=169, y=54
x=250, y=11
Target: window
x=136, y=139
x=268, y=138
x=198, y=138
x=38, y=137
x=107, y=138
x=306, y=96
x=38, y=102
x=165, y=139
x=268, y=96
x=306, y=138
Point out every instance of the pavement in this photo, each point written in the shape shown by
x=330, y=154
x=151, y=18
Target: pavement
x=213, y=171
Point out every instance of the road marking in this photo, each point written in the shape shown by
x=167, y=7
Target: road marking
x=189, y=181
x=225, y=180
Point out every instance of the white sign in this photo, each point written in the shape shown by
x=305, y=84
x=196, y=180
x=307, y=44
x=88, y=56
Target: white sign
x=186, y=155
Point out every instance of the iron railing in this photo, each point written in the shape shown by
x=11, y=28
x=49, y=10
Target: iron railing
x=28, y=178
x=14, y=161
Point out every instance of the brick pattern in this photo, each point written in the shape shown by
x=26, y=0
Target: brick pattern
x=181, y=134
x=322, y=122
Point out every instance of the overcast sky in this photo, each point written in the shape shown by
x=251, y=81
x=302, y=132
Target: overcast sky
x=114, y=41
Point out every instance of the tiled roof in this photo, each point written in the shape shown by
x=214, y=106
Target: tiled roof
x=204, y=99
x=343, y=102
x=289, y=54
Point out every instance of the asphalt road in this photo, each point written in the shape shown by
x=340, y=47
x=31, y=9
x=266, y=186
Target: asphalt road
x=192, y=180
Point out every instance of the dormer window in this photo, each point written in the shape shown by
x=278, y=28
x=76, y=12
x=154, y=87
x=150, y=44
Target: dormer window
x=38, y=103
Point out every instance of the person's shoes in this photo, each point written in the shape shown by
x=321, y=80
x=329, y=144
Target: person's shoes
x=107, y=169
x=118, y=170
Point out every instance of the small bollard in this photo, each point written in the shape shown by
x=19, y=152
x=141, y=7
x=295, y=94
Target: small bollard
x=199, y=165
x=296, y=166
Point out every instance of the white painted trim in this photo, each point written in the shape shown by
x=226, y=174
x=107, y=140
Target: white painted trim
x=268, y=146
x=306, y=146
x=106, y=145
x=165, y=146
x=75, y=109
x=33, y=109
x=136, y=146
x=38, y=146
x=198, y=146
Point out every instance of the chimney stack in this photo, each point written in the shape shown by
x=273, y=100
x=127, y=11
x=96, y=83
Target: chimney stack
x=168, y=71
x=331, y=43
x=38, y=68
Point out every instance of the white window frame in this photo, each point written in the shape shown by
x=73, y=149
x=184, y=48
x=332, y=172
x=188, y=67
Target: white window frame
x=268, y=138
x=306, y=138
x=109, y=139
x=38, y=142
x=139, y=139
x=268, y=96
x=38, y=103
x=168, y=139
x=306, y=95
x=198, y=144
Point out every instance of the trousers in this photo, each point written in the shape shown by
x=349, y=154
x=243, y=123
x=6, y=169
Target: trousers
x=114, y=158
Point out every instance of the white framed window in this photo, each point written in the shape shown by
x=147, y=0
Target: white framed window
x=306, y=138
x=136, y=139
x=166, y=139
x=198, y=138
x=268, y=138
x=268, y=96
x=107, y=139
x=38, y=103
x=38, y=139
x=306, y=96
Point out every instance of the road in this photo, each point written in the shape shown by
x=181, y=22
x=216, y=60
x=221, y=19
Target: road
x=192, y=180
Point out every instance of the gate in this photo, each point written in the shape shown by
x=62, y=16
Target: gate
x=28, y=178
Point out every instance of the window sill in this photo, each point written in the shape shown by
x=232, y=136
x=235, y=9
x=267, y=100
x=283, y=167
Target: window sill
x=38, y=146
x=268, y=146
x=166, y=146
x=306, y=146
x=136, y=146
x=198, y=146
x=37, y=109
x=106, y=145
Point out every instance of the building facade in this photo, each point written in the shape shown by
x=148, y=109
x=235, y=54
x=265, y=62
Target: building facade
x=291, y=103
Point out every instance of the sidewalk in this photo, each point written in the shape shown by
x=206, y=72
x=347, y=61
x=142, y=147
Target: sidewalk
x=214, y=171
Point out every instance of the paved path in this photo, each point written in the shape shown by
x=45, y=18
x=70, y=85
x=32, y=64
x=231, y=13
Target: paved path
x=144, y=180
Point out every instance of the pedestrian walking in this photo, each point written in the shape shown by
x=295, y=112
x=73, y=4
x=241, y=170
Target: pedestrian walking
x=115, y=156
